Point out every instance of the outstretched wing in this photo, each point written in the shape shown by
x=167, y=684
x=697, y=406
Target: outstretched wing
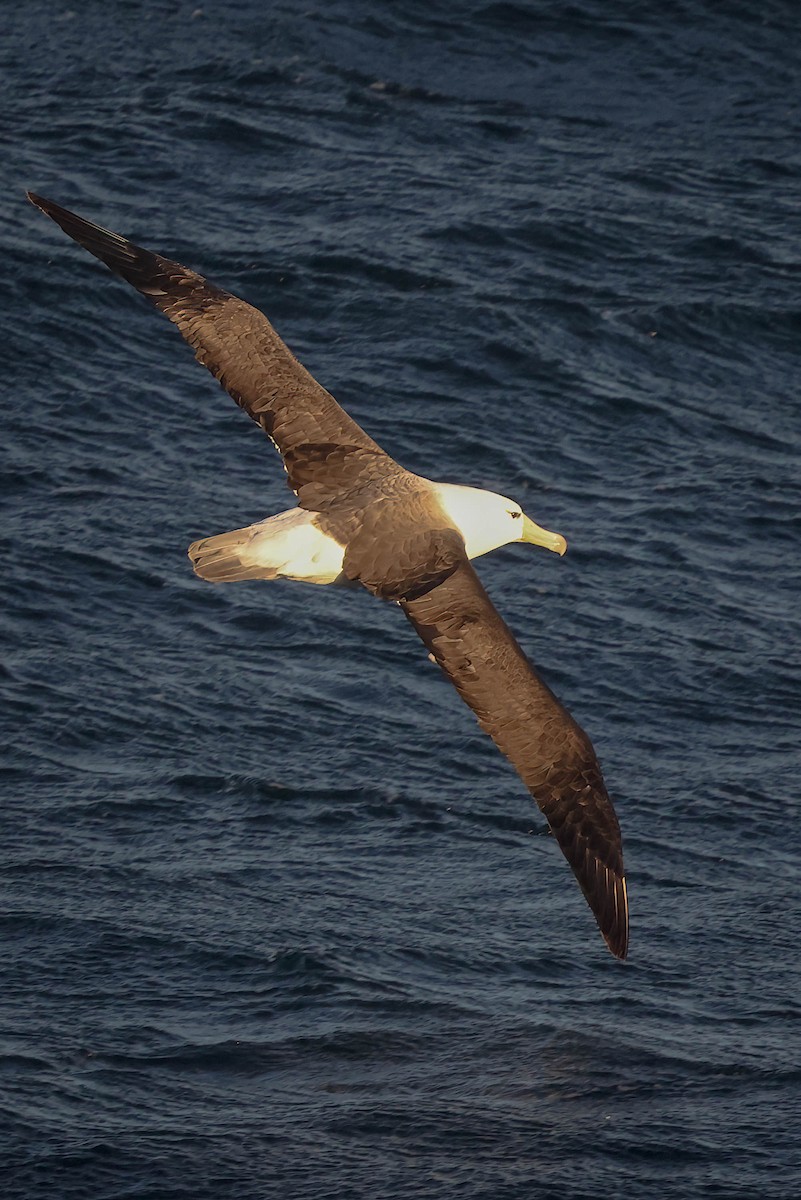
x=316, y=438
x=551, y=753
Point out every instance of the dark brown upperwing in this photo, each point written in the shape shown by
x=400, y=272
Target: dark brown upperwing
x=551, y=753
x=234, y=340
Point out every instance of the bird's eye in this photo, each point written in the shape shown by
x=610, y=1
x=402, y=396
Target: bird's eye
x=515, y=514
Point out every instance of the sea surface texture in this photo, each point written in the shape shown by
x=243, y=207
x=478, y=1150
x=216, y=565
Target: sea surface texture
x=278, y=921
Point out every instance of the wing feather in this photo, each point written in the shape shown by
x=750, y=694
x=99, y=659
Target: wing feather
x=239, y=346
x=550, y=751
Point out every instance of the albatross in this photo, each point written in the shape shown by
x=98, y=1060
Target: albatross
x=363, y=520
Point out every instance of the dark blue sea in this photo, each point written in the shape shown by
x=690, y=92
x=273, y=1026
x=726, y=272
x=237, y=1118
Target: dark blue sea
x=278, y=921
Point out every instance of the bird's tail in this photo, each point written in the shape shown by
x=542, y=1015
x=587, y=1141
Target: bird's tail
x=287, y=546
x=228, y=557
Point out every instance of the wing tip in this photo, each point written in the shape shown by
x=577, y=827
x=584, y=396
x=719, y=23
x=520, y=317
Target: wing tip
x=134, y=264
x=38, y=201
x=614, y=925
x=51, y=209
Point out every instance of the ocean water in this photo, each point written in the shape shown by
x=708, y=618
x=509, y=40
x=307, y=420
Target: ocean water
x=278, y=921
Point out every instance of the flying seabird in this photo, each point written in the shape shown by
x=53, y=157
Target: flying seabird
x=362, y=519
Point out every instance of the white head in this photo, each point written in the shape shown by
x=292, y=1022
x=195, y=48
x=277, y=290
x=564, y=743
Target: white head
x=487, y=520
